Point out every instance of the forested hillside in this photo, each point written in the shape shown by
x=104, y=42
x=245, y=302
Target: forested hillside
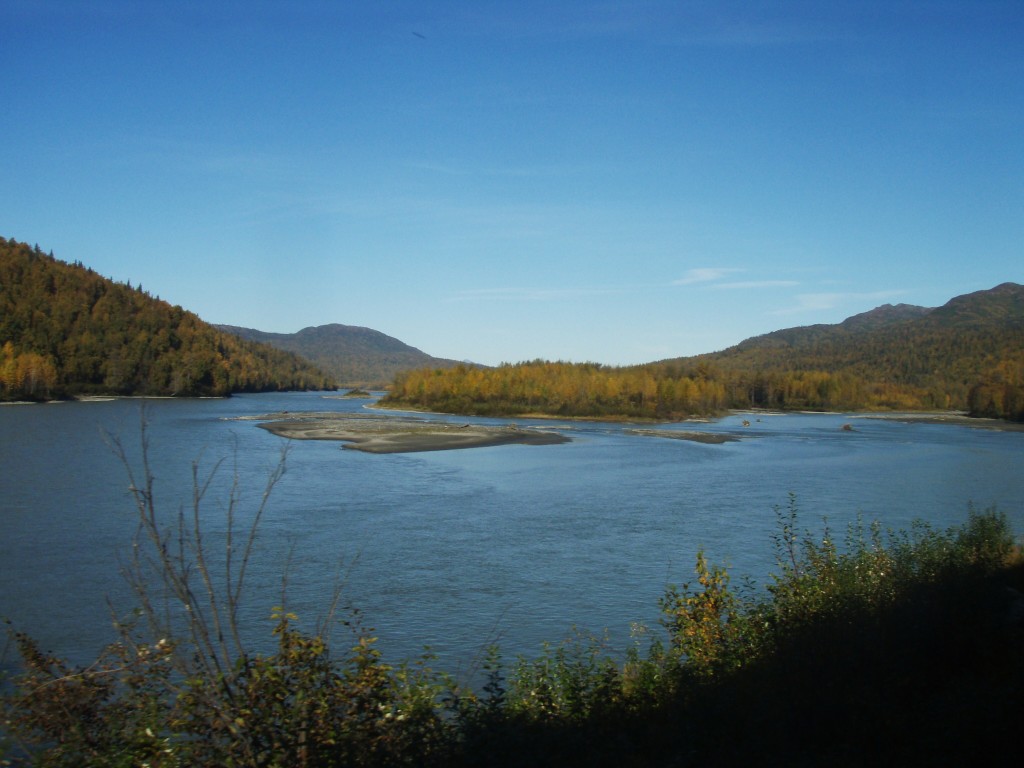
x=354, y=356
x=65, y=330
x=966, y=355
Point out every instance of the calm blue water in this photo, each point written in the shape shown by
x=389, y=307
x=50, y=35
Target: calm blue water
x=457, y=549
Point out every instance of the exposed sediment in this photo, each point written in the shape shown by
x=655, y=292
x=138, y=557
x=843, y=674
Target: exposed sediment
x=714, y=438
x=388, y=434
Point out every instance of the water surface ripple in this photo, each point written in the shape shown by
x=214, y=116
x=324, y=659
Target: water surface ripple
x=456, y=549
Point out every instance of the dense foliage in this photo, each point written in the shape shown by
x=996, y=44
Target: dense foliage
x=656, y=391
x=896, y=649
x=967, y=355
x=999, y=396
x=65, y=330
x=552, y=388
x=354, y=356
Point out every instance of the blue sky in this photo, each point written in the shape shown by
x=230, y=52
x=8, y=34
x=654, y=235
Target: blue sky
x=616, y=182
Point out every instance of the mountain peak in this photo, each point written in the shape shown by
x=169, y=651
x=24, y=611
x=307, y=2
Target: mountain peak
x=355, y=355
x=1004, y=303
x=883, y=315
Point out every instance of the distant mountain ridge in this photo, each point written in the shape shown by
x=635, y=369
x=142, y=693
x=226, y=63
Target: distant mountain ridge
x=913, y=339
x=1002, y=304
x=806, y=336
x=972, y=344
x=884, y=315
x=354, y=355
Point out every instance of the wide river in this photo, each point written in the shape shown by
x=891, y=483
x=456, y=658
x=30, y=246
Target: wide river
x=454, y=550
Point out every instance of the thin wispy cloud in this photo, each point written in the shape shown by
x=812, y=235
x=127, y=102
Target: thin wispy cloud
x=448, y=170
x=816, y=302
x=714, y=277
x=546, y=170
x=704, y=275
x=531, y=294
x=755, y=284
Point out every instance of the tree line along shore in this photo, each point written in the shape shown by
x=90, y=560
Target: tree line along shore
x=677, y=391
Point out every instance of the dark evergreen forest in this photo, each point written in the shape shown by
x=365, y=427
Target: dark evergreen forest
x=66, y=331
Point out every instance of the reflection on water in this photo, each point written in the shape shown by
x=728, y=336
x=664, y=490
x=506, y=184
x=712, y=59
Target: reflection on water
x=460, y=548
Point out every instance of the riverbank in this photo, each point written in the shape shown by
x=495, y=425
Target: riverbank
x=958, y=418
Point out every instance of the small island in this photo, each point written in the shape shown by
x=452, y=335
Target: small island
x=387, y=434
x=358, y=393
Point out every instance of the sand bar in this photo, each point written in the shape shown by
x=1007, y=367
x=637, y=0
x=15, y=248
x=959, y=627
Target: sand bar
x=387, y=434
x=712, y=438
